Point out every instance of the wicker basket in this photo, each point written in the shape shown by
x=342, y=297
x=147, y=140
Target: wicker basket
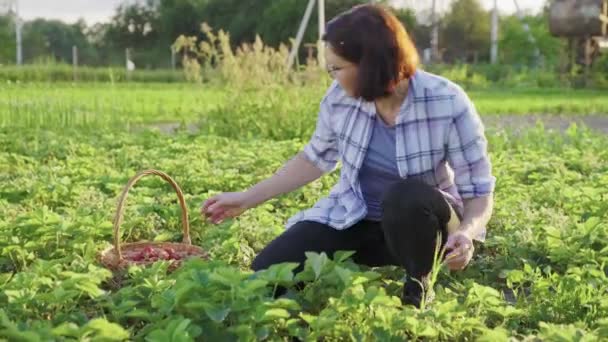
x=119, y=257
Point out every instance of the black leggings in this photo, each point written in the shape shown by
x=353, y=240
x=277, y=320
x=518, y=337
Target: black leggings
x=413, y=213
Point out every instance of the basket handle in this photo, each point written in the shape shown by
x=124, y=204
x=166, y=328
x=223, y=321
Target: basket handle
x=121, y=206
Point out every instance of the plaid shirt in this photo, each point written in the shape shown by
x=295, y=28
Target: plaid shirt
x=440, y=140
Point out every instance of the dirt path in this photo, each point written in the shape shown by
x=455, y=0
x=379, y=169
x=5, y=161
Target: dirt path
x=510, y=122
x=560, y=123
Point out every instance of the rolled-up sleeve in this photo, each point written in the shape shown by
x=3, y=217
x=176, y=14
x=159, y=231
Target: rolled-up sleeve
x=322, y=149
x=467, y=150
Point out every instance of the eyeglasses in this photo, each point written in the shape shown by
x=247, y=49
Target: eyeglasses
x=333, y=69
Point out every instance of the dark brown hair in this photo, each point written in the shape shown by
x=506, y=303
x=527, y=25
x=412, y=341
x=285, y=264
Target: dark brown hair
x=374, y=39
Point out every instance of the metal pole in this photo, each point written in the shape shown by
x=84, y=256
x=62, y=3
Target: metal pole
x=172, y=59
x=320, y=45
x=434, y=33
x=128, y=64
x=18, y=26
x=75, y=61
x=494, y=34
x=530, y=36
x=303, y=24
x=604, y=17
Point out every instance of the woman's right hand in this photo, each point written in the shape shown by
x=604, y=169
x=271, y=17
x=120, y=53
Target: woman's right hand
x=225, y=205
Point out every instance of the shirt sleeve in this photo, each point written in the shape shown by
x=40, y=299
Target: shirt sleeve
x=467, y=150
x=322, y=149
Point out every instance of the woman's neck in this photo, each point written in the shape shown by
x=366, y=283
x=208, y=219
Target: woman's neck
x=388, y=107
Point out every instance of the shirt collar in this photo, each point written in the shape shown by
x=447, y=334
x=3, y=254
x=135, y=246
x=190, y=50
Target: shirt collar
x=369, y=107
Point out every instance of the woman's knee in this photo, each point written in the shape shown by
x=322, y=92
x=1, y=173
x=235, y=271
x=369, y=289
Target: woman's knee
x=410, y=194
x=260, y=262
x=412, y=206
x=292, y=245
x=273, y=253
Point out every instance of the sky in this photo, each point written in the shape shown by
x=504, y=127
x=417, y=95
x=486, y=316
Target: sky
x=93, y=11
x=504, y=6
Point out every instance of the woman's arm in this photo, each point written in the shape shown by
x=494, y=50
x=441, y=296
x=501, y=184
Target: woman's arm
x=318, y=157
x=468, y=156
x=477, y=214
x=296, y=173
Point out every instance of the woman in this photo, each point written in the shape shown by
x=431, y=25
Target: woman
x=413, y=154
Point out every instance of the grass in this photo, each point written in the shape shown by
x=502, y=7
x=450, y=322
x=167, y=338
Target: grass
x=65, y=156
x=53, y=72
x=119, y=105
x=541, y=101
x=66, y=104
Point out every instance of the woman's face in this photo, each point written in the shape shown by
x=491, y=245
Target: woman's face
x=341, y=70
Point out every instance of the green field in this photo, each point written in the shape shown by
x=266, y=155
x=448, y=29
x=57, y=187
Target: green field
x=65, y=156
x=220, y=108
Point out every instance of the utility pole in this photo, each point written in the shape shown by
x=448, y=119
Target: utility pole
x=18, y=26
x=300, y=34
x=434, y=33
x=320, y=46
x=494, y=34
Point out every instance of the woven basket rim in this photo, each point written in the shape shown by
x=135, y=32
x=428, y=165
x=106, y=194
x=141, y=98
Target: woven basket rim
x=112, y=257
x=109, y=259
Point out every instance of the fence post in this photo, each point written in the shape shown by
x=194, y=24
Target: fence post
x=75, y=62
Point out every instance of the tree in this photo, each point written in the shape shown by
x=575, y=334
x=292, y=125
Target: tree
x=135, y=27
x=515, y=46
x=54, y=39
x=149, y=27
x=7, y=37
x=465, y=32
x=177, y=17
x=275, y=21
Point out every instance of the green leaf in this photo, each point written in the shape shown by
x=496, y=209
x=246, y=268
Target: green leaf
x=276, y=313
x=492, y=335
x=285, y=303
x=158, y=335
x=308, y=318
x=341, y=256
x=102, y=329
x=141, y=314
x=182, y=293
x=253, y=285
x=196, y=305
x=262, y=333
x=216, y=313
x=317, y=262
x=90, y=288
x=166, y=236
x=279, y=273
x=67, y=329
x=344, y=274
x=179, y=332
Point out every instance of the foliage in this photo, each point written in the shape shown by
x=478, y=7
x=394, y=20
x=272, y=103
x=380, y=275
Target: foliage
x=516, y=48
x=541, y=273
x=7, y=33
x=463, y=38
x=273, y=112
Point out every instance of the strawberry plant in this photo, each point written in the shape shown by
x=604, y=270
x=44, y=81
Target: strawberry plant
x=541, y=274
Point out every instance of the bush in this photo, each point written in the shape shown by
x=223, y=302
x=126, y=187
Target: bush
x=65, y=73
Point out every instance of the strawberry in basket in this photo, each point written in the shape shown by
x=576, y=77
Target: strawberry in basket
x=121, y=256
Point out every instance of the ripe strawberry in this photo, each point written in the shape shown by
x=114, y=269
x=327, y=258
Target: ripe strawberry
x=173, y=255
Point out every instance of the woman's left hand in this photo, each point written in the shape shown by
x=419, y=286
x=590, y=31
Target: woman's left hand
x=461, y=246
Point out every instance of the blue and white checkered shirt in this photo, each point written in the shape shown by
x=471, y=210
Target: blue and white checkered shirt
x=440, y=139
